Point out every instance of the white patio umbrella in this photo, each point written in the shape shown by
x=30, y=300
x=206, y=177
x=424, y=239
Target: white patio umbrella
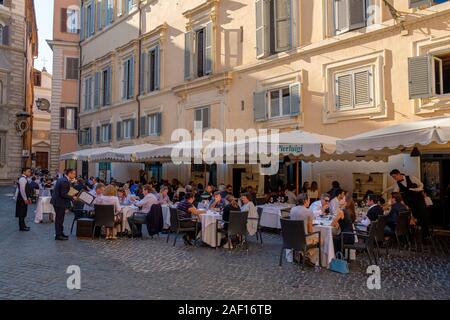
x=410, y=134
x=84, y=155
x=124, y=154
x=186, y=150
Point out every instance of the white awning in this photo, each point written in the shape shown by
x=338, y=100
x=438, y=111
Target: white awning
x=191, y=149
x=124, y=154
x=410, y=134
x=83, y=155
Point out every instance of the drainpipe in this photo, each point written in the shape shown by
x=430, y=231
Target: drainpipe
x=27, y=136
x=139, y=72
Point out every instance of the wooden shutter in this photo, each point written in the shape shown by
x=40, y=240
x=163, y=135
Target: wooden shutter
x=420, y=77
x=157, y=72
x=418, y=3
x=108, y=86
x=5, y=35
x=362, y=87
x=119, y=130
x=62, y=118
x=109, y=132
x=283, y=13
x=158, y=123
x=99, y=15
x=97, y=90
x=92, y=22
x=295, y=98
x=125, y=80
x=206, y=118
x=63, y=19
x=208, y=49
x=188, y=43
x=97, y=133
x=341, y=16
x=143, y=126
x=344, y=95
x=142, y=72
x=131, y=80
x=357, y=14
x=260, y=106
x=75, y=120
x=90, y=137
x=133, y=126
x=262, y=28
x=80, y=137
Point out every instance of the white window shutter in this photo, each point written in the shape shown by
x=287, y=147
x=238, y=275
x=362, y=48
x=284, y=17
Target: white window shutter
x=188, y=43
x=419, y=74
x=344, y=94
x=341, y=16
x=418, y=3
x=208, y=54
x=262, y=28
x=142, y=72
x=109, y=87
x=295, y=98
x=131, y=80
x=82, y=23
x=260, y=106
x=283, y=14
x=125, y=80
x=97, y=90
x=357, y=14
x=362, y=89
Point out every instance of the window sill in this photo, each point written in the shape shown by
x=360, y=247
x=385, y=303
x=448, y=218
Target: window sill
x=434, y=104
x=370, y=112
x=282, y=122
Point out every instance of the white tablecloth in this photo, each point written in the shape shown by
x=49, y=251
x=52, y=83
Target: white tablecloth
x=209, y=231
x=43, y=205
x=271, y=215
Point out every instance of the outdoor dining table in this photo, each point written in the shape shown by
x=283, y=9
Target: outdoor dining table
x=209, y=234
x=271, y=214
x=43, y=205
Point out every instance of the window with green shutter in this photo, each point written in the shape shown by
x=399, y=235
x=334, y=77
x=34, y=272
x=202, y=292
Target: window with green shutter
x=349, y=15
x=354, y=89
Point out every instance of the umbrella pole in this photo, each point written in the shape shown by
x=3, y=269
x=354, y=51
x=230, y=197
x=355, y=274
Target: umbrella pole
x=296, y=176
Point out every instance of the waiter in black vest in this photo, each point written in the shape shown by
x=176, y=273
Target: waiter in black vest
x=23, y=198
x=61, y=200
x=411, y=189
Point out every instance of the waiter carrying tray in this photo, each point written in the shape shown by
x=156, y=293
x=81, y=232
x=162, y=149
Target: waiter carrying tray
x=62, y=200
x=23, y=198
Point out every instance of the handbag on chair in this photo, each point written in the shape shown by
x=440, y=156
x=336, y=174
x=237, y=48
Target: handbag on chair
x=339, y=264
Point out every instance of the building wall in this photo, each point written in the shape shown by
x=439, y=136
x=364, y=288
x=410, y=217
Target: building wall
x=15, y=74
x=317, y=55
x=65, y=91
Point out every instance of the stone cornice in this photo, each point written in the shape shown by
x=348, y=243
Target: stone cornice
x=209, y=6
x=220, y=81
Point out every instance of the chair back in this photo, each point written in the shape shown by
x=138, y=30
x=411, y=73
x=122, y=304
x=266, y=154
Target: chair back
x=238, y=223
x=285, y=212
x=402, y=227
x=173, y=219
x=381, y=223
x=293, y=234
x=372, y=234
x=78, y=205
x=104, y=215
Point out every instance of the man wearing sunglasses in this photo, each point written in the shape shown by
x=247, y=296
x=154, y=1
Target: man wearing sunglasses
x=321, y=206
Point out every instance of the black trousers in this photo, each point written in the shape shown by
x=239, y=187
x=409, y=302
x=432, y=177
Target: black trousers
x=21, y=212
x=59, y=221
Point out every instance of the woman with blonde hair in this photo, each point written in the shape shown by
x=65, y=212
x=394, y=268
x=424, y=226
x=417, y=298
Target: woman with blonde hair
x=110, y=198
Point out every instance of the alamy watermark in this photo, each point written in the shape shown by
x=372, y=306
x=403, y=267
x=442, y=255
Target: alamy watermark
x=74, y=280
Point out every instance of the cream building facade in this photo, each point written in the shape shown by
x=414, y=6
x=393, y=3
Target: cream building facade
x=18, y=48
x=336, y=67
x=41, y=119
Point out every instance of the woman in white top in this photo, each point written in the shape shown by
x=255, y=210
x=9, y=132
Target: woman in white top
x=291, y=197
x=110, y=198
x=313, y=192
x=163, y=196
x=247, y=205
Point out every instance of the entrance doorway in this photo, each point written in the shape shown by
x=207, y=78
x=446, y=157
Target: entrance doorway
x=436, y=179
x=237, y=181
x=42, y=160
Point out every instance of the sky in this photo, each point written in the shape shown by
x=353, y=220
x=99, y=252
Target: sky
x=44, y=17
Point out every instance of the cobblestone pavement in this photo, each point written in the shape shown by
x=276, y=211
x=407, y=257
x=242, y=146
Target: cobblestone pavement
x=33, y=266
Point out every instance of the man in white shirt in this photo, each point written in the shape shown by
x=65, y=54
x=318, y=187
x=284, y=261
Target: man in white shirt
x=23, y=198
x=146, y=205
x=97, y=193
x=321, y=206
x=291, y=197
x=335, y=203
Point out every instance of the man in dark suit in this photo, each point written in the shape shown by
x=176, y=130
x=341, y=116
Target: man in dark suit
x=61, y=201
x=375, y=210
x=23, y=198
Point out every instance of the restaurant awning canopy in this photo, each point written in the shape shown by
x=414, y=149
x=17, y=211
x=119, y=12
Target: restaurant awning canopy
x=417, y=133
x=83, y=155
x=124, y=154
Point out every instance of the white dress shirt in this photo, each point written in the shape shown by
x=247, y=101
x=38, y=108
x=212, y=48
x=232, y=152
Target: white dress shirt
x=415, y=180
x=23, y=180
x=291, y=198
x=109, y=200
x=317, y=208
x=334, y=205
x=147, y=203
